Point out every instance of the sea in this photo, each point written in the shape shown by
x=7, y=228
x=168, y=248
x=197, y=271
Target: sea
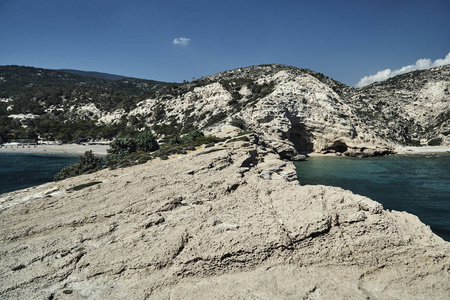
x=418, y=184
x=22, y=170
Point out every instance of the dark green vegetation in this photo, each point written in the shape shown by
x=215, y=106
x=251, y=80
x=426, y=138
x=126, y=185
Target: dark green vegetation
x=50, y=96
x=124, y=152
x=146, y=141
x=94, y=74
x=88, y=163
x=127, y=152
x=123, y=147
x=84, y=185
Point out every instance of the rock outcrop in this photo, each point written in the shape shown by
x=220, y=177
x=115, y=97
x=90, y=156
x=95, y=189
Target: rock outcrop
x=227, y=222
x=412, y=108
x=297, y=110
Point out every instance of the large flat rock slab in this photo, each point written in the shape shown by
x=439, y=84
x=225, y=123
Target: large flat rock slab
x=226, y=223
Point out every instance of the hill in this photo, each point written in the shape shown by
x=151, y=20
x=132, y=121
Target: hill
x=299, y=110
x=412, y=108
x=59, y=105
x=94, y=74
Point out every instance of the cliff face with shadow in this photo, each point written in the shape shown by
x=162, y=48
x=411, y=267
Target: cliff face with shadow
x=227, y=222
x=299, y=110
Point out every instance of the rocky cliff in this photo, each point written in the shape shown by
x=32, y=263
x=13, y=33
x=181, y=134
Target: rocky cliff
x=413, y=108
x=298, y=109
x=292, y=108
x=228, y=222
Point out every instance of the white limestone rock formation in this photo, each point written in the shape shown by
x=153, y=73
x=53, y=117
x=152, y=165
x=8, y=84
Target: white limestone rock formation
x=411, y=108
x=229, y=222
x=296, y=110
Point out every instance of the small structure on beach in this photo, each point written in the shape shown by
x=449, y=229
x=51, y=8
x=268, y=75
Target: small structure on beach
x=20, y=143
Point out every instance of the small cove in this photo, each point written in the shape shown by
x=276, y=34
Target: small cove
x=418, y=184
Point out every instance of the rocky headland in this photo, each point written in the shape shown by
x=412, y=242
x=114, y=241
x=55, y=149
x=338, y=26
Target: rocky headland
x=226, y=222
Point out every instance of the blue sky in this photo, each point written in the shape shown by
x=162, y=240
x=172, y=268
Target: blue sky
x=345, y=40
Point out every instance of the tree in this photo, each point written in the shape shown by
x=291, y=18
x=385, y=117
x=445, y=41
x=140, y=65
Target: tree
x=146, y=141
x=88, y=163
x=192, y=136
x=120, y=148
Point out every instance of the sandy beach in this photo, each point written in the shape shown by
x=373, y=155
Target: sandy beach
x=56, y=149
x=401, y=150
x=425, y=149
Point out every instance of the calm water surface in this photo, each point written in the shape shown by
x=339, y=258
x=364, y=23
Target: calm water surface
x=19, y=171
x=418, y=184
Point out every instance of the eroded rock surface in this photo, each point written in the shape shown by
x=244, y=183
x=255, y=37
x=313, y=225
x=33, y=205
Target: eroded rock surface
x=227, y=222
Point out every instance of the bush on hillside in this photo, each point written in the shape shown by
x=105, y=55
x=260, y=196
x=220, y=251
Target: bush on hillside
x=192, y=136
x=239, y=123
x=146, y=141
x=120, y=148
x=88, y=163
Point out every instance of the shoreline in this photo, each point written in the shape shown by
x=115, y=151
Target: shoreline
x=402, y=150
x=101, y=150
x=74, y=149
x=422, y=150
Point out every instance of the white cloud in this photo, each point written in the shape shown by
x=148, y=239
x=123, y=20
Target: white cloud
x=421, y=64
x=181, y=41
x=441, y=62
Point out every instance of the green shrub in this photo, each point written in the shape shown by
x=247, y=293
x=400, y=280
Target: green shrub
x=239, y=123
x=435, y=142
x=176, y=145
x=88, y=163
x=121, y=148
x=175, y=140
x=143, y=159
x=205, y=140
x=192, y=136
x=146, y=141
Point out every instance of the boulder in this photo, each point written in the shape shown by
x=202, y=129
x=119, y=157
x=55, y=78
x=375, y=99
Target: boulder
x=298, y=157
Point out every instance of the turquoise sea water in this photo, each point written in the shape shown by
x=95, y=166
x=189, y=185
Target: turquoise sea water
x=19, y=171
x=418, y=184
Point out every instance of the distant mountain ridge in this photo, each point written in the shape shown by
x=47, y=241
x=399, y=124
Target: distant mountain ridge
x=294, y=110
x=92, y=74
